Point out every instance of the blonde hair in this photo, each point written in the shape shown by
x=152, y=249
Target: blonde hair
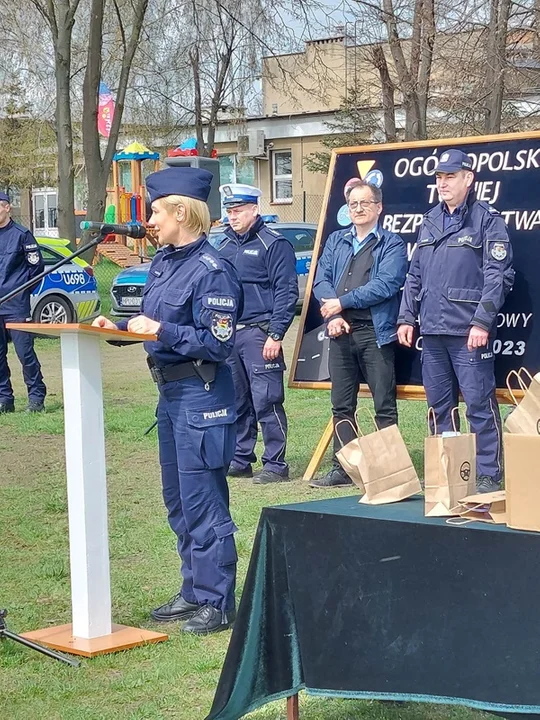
x=197, y=219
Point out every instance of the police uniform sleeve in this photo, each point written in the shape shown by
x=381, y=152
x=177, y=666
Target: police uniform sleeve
x=216, y=299
x=32, y=253
x=408, y=311
x=497, y=269
x=284, y=282
x=323, y=286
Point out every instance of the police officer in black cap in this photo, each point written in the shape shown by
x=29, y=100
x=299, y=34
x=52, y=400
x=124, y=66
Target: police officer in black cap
x=459, y=277
x=20, y=261
x=191, y=301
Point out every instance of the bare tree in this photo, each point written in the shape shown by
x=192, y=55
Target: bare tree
x=496, y=63
x=97, y=166
x=60, y=17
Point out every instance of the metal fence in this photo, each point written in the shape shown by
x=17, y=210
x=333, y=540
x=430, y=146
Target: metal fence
x=300, y=208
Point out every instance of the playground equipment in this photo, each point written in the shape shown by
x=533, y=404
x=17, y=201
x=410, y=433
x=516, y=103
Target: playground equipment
x=128, y=204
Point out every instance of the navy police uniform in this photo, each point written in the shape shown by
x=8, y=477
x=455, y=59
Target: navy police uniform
x=196, y=297
x=459, y=277
x=266, y=265
x=20, y=261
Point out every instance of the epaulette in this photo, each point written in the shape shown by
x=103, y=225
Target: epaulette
x=210, y=262
x=486, y=206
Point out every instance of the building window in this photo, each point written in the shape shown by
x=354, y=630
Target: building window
x=282, y=176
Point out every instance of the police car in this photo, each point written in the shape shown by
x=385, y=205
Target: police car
x=127, y=288
x=68, y=294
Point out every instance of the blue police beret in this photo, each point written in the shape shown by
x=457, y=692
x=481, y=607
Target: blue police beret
x=4, y=197
x=453, y=160
x=187, y=181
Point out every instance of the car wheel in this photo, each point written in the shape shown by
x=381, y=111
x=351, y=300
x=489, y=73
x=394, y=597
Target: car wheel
x=53, y=309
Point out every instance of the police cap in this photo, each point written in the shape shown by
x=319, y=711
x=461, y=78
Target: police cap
x=4, y=197
x=453, y=161
x=234, y=195
x=187, y=181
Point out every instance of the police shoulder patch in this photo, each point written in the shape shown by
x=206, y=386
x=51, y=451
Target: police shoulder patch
x=499, y=251
x=210, y=261
x=221, y=326
x=33, y=258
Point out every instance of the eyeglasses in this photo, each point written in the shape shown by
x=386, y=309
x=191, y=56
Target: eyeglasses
x=363, y=204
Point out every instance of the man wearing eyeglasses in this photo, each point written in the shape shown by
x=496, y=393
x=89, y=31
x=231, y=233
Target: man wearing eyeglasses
x=359, y=275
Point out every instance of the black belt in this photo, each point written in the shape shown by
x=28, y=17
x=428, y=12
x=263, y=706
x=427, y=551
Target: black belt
x=206, y=371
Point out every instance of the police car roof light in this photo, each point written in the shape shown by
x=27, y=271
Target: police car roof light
x=270, y=218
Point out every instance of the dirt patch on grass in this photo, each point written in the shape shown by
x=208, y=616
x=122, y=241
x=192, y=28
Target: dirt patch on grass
x=23, y=457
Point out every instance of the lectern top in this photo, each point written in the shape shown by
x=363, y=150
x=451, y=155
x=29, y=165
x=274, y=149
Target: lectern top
x=56, y=330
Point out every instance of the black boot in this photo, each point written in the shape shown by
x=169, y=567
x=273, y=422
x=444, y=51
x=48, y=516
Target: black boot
x=175, y=609
x=486, y=484
x=7, y=407
x=209, y=619
x=239, y=472
x=335, y=478
x=264, y=477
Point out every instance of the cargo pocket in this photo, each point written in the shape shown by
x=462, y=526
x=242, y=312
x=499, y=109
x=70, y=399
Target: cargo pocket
x=226, y=554
x=213, y=433
x=267, y=382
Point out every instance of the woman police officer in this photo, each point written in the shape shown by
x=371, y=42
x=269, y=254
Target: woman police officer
x=191, y=301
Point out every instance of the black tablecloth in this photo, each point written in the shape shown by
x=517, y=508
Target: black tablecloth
x=351, y=600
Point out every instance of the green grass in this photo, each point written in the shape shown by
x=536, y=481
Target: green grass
x=176, y=679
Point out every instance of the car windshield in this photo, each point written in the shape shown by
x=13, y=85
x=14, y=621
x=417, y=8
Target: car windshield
x=302, y=239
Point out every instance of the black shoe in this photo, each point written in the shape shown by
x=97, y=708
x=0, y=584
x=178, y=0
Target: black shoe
x=175, y=609
x=35, y=406
x=486, y=484
x=235, y=471
x=335, y=478
x=209, y=619
x=7, y=407
x=264, y=477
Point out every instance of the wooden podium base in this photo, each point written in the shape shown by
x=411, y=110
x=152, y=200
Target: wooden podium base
x=122, y=637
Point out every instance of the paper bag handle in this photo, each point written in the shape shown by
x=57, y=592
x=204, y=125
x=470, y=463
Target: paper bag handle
x=522, y=385
x=344, y=420
x=431, y=416
x=459, y=412
x=370, y=415
x=525, y=372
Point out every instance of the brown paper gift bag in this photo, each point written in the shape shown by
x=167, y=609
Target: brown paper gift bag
x=486, y=507
x=349, y=458
x=522, y=481
x=384, y=465
x=449, y=469
x=525, y=418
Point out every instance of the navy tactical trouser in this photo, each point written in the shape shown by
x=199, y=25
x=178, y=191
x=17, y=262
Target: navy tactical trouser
x=448, y=368
x=196, y=430
x=23, y=343
x=260, y=394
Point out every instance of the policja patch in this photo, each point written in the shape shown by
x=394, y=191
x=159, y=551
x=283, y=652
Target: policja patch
x=33, y=258
x=221, y=326
x=498, y=251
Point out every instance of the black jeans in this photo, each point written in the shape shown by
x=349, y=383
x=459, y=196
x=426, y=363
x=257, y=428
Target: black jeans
x=354, y=358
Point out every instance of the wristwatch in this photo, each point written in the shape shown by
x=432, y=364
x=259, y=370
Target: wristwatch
x=275, y=336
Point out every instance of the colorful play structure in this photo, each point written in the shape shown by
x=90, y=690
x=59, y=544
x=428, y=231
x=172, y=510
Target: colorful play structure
x=127, y=203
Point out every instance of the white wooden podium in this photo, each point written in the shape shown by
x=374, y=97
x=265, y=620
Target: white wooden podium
x=92, y=631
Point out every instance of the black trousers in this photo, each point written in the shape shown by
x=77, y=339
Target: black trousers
x=354, y=358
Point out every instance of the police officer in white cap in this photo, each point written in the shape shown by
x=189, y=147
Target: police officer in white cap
x=266, y=265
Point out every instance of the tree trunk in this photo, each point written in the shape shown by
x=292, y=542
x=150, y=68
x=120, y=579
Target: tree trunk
x=426, y=61
x=61, y=31
x=496, y=64
x=387, y=86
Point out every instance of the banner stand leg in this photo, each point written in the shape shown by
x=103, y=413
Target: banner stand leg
x=320, y=450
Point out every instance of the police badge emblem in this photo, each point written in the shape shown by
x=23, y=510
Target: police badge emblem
x=498, y=251
x=221, y=327
x=33, y=258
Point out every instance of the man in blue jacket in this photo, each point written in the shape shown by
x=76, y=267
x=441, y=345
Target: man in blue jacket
x=20, y=260
x=266, y=265
x=458, y=280
x=359, y=276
